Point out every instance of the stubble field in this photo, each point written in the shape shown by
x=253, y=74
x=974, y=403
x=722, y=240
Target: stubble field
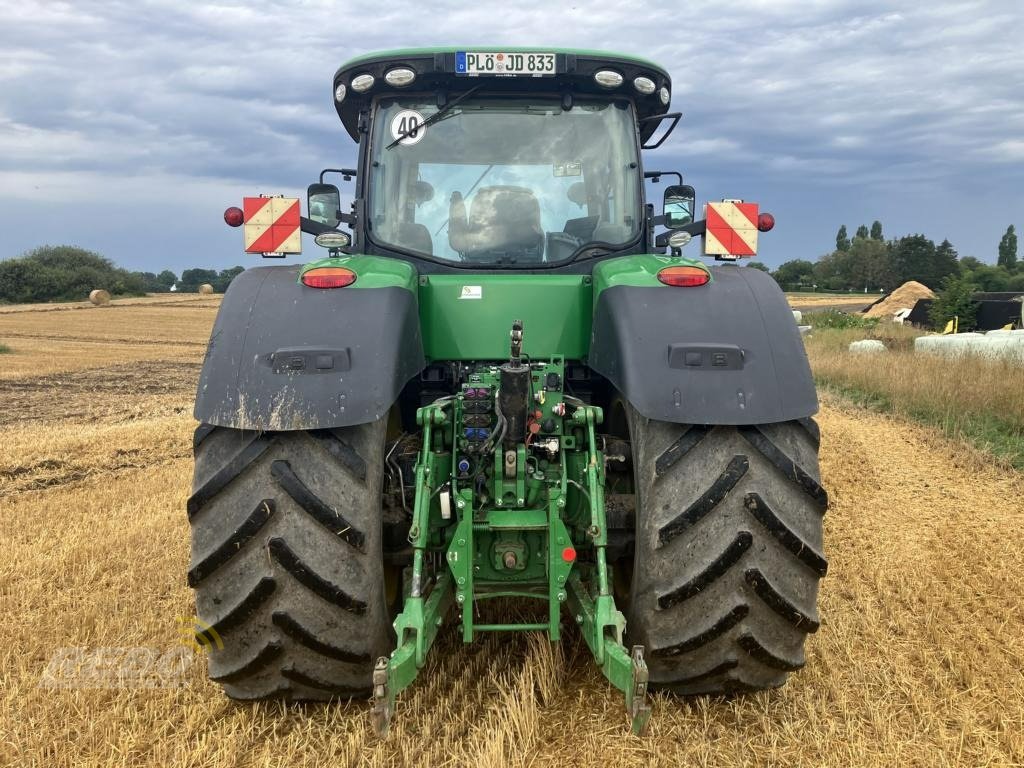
x=918, y=660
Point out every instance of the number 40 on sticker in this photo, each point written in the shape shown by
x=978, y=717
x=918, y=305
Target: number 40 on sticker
x=407, y=127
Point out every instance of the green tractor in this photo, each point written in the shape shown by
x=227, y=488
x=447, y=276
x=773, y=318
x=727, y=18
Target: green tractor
x=502, y=386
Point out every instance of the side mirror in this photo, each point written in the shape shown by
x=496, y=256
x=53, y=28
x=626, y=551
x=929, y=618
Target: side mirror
x=680, y=200
x=323, y=201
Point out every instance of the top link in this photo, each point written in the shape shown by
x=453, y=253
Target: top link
x=517, y=340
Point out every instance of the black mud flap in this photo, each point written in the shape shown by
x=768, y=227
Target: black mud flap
x=724, y=353
x=285, y=357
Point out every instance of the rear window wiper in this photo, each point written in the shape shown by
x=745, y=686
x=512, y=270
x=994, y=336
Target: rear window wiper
x=434, y=117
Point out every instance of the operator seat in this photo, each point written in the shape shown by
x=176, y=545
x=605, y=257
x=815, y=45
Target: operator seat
x=412, y=234
x=502, y=220
x=615, y=234
x=415, y=237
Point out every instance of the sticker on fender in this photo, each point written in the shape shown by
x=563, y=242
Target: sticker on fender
x=472, y=292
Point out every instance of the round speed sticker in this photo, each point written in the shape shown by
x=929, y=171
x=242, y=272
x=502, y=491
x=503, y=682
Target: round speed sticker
x=407, y=127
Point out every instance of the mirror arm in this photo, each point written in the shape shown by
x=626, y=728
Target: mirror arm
x=311, y=227
x=346, y=173
x=695, y=228
x=655, y=176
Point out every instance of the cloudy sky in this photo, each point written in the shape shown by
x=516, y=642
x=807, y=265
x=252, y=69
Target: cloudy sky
x=128, y=127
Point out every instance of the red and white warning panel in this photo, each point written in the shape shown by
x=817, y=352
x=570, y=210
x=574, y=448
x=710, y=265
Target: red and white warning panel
x=271, y=225
x=731, y=229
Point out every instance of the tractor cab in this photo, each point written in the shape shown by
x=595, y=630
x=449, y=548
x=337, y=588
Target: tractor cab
x=510, y=159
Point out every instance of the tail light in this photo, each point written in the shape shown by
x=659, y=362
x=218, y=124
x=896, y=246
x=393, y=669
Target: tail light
x=765, y=222
x=328, y=277
x=233, y=217
x=684, y=276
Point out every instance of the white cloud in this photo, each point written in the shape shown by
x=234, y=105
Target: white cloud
x=837, y=92
x=851, y=142
x=1010, y=151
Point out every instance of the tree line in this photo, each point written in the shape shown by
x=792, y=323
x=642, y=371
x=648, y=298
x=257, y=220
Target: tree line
x=69, y=273
x=869, y=262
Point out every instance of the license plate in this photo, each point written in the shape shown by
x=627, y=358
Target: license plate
x=530, y=64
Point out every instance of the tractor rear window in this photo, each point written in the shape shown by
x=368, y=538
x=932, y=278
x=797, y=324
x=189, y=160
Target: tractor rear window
x=504, y=182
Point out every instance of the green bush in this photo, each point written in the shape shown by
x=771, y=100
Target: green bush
x=191, y=279
x=63, y=273
x=832, y=318
x=956, y=299
x=69, y=273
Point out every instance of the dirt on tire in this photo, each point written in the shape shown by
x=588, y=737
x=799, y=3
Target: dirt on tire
x=287, y=564
x=728, y=553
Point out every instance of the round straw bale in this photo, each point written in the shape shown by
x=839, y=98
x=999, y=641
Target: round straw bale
x=99, y=297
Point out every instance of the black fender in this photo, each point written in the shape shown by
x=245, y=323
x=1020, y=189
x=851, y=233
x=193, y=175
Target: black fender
x=728, y=352
x=283, y=356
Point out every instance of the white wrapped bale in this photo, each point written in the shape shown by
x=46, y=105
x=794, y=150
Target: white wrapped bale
x=1014, y=350
x=961, y=344
x=947, y=346
x=867, y=347
x=995, y=345
x=929, y=345
x=1001, y=346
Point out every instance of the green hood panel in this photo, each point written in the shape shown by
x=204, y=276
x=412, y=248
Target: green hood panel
x=639, y=270
x=469, y=317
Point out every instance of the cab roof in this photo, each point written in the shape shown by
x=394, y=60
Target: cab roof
x=435, y=70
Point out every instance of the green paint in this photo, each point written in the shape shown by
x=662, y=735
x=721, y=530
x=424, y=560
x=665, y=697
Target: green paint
x=602, y=626
x=457, y=328
x=371, y=271
x=399, y=54
x=638, y=270
x=555, y=310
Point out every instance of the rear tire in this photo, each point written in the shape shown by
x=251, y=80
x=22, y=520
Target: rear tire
x=728, y=552
x=286, y=561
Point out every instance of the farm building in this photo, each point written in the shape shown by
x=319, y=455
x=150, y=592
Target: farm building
x=995, y=310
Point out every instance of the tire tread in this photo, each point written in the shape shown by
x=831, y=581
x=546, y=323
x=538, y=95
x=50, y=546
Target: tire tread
x=289, y=591
x=723, y=593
